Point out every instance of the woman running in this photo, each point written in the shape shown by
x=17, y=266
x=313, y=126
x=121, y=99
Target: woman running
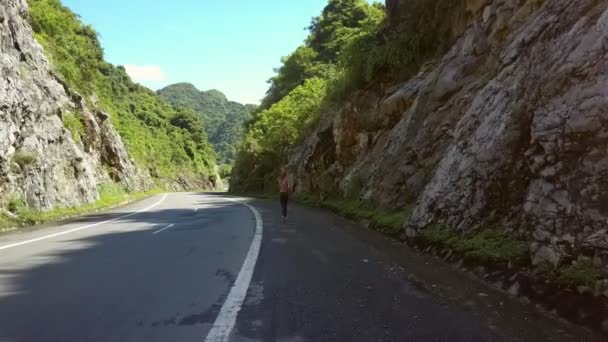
x=284, y=189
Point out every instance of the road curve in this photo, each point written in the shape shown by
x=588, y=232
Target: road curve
x=196, y=267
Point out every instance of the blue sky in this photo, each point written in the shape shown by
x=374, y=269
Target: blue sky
x=230, y=45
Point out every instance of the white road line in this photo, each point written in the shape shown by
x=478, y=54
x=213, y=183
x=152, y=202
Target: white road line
x=160, y=230
x=224, y=323
x=80, y=228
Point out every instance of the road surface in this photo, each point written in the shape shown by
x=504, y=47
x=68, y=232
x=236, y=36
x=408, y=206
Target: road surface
x=203, y=267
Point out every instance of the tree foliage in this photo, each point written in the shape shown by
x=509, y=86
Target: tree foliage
x=350, y=45
x=168, y=142
x=300, y=89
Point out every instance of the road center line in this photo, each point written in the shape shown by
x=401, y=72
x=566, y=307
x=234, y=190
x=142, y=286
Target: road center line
x=163, y=229
x=224, y=323
x=81, y=228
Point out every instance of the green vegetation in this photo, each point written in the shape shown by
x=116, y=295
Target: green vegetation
x=331, y=35
x=224, y=120
x=274, y=131
x=24, y=158
x=225, y=170
x=74, y=124
x=581, y=273
x=389, y=222
x=110, y=195
x=16, y=204
x=485, y=245
x=169, y=142
x=350, y=45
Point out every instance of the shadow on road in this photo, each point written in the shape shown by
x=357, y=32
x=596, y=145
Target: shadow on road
x=67, y=291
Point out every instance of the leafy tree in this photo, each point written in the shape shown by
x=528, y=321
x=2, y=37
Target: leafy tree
x=278, y=128
x=330, y=33
x=274, y=133
x=332, y=28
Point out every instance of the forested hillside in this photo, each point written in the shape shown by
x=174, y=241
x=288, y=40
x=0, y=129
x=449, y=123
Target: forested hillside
x=224, y=120
x=168, y=142
x=76, y=133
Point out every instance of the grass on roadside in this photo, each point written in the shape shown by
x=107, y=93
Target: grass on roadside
x=581, y=272
x=110, y=195
x=389, y=222
x=483, y=245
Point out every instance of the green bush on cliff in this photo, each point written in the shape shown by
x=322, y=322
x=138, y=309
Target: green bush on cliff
x=24, y=158
x=168, y=142
x=74, y=124
x=380, y=50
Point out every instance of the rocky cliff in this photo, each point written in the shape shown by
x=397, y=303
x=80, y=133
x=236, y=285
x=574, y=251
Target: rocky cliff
x=508, y=128
x=41, y=161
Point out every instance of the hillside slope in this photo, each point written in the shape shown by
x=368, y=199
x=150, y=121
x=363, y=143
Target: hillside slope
x=506, y=128
x=70, y=126
x=476, y=116
x=224, y=120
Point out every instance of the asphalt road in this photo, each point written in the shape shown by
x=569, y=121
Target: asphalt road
x=202, y=267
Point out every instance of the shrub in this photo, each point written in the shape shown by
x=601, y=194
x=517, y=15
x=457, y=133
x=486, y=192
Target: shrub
x=225, y=170
x=111, y=191
x=74, y=124
x=16, y=204
x=581, y=273
x=390, y=222
x=486, y=245
x=24, y=158
x=438, y=235
x=490, y=245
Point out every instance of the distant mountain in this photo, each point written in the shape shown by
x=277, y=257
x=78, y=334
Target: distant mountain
x=223, y=119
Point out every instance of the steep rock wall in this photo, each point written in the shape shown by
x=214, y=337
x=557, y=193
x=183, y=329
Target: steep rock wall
x=508, y=128
x=40, y=161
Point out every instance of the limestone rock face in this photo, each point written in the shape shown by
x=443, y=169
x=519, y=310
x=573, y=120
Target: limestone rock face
x=40, y=161
x=508, y=128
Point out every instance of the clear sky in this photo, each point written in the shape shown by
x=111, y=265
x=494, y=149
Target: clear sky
x=229, y=45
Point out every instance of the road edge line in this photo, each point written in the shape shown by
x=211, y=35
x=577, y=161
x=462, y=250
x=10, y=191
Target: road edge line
x=226, y=319
x=163, y=229
x=81, y=228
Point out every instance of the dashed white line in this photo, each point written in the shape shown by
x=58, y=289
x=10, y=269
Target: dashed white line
x=224, y=323
x=80, y=228
x=163, y=229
